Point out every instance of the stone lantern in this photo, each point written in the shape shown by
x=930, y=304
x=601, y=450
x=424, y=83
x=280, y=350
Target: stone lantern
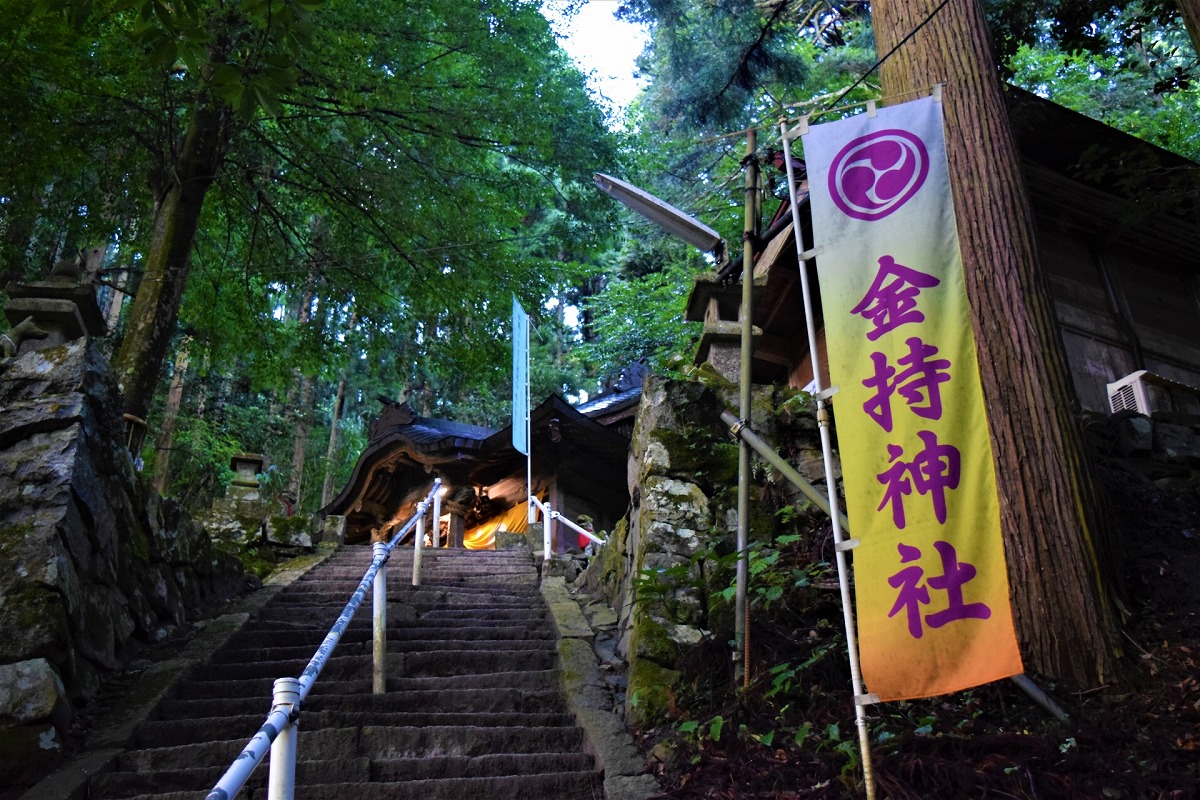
x=247, y=466
x=53, y=311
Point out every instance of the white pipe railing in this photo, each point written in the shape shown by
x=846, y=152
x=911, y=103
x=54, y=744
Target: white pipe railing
x=379, y=620
x=278, y=733
x=418, y=550
x=550, y=515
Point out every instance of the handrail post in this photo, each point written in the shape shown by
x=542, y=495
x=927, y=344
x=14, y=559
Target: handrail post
x=281, y=781
x=278, y=734
x=379, y=551
x=437, y=517
x=418, y=545
x=547, y=522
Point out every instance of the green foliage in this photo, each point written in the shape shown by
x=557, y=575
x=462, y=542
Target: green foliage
x=202, y=470
x=709, y=61
x=768, y=581
x=784, y=676
x=640, y=317
x=418, y=177
x=1132, y=76
x=659, y=590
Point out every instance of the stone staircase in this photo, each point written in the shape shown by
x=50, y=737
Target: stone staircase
x=474, y=707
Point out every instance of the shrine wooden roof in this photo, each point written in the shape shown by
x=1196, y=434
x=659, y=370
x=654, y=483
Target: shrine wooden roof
x=480, y=466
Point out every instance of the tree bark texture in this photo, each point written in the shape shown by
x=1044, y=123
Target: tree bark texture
x=305, y=389
x=1057, y=530
x=335, y=419
x=331, y=451
x=155, y=309
x=302, y=414
x=1190, y=11
x=166, y=435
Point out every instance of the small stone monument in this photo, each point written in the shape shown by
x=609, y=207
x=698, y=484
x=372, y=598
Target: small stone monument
x=247, y=466
x=240, y=515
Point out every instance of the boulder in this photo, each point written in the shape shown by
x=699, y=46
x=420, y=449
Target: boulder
x=289, y=531
x=1176, y=444
x=31, y=691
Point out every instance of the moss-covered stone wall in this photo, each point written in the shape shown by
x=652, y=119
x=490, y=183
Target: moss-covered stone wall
x=666, y=562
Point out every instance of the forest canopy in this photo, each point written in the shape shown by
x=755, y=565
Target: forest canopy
x=296, y=206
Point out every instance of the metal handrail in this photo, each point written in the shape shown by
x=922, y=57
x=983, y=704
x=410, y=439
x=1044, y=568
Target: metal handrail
x=550, y=515
x=278, y=733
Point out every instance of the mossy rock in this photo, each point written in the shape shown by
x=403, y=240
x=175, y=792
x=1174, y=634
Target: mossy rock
x=651, y=694
x=605, y=573
x=651, y=640
x=35, y=621
x=290, y=525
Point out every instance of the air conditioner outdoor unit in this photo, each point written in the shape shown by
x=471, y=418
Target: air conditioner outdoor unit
x=1129, y=394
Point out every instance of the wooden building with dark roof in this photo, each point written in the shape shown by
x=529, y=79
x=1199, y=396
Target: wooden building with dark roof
x=1118, y=233
x=578, y=465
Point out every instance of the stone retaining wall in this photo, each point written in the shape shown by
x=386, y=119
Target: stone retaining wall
x=93, y=563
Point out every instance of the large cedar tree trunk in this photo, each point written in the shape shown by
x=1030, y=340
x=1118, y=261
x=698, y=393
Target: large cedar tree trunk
x=182, y=187
x=1057, y=532
x=334, y=421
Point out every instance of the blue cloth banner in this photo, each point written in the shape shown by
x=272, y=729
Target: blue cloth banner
x=520, y=371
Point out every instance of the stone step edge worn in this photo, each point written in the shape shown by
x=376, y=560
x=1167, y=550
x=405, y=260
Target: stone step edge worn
x=605, y=735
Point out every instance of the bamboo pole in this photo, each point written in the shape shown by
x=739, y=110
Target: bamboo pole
x=741, y=629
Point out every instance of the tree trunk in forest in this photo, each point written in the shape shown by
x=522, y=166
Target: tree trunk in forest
x=114, y=300
x=155, y=309
x=300, y=442
x=1190, y=11
x=302, y=405
x=1057, y=532
x=335, y=419
x=166, y=436
x=331, y=451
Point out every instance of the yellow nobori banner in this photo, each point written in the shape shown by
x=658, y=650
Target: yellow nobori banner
x=931, y=587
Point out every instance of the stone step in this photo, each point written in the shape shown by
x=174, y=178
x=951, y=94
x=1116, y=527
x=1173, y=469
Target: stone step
x=317, y=615
x=333, y=744
x=398, y=630
x=271, y=655
x=340, y=591
x=522, y=680
x=199, y=779
x=495, y=614
x=474, y=707
x=349, y=770
x=483, y=618
x=432, y=700
x=172, y=733
x=371, y=741
x=414, y=769
x=583, y=785
x=349, y=667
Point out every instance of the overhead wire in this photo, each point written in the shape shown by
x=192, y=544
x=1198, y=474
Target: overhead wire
x=833, y=105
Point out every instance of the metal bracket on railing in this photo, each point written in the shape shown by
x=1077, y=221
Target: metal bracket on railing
x=548, y=517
